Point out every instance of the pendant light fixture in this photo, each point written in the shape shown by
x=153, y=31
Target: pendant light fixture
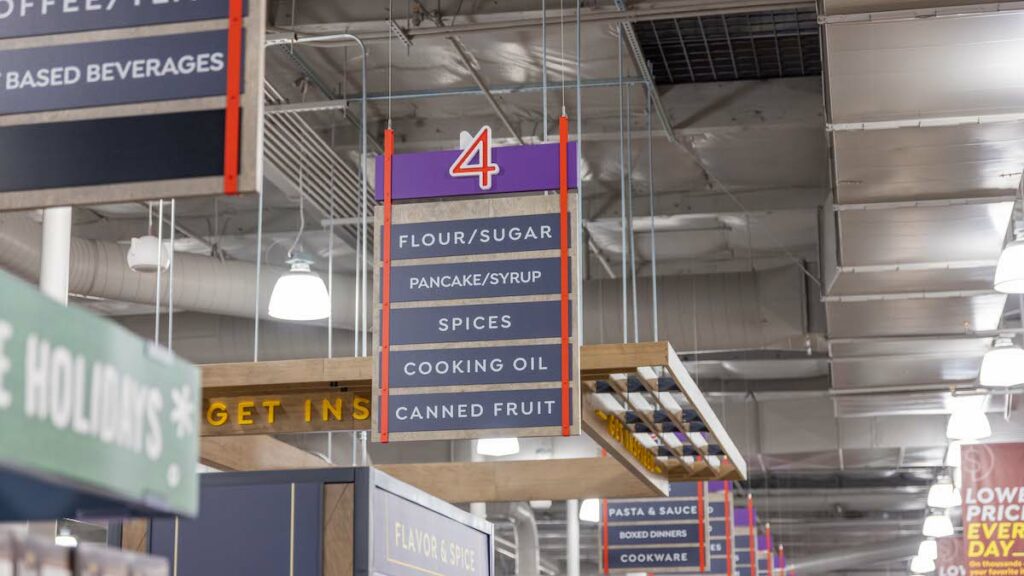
x=937, y=525
x=300, y=294
x=928, y=549
x=968, y=420
x=1003, y=365
x=590, y=510
x=943, y=494
x=922, y=565
x=1010, y=268
x=497, y=446
x=953, y=454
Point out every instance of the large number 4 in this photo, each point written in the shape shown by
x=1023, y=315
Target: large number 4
x=484, y=168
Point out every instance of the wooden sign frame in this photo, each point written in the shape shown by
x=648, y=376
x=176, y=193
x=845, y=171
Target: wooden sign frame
x=250, y=104
x=477, y=208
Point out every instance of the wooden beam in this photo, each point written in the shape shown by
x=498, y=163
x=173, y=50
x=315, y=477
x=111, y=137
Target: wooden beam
x=518, y=480
x=244, y=453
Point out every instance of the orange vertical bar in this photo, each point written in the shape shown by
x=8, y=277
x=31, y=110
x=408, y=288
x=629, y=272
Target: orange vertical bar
x=385, y=319
x=563, y=201
x=771, y=551
x=604, y=535
x=753, y=535
x=728, y=531
x=700, y=522
x=232, y=93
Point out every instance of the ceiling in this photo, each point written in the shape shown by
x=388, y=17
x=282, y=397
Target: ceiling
x=827, y=207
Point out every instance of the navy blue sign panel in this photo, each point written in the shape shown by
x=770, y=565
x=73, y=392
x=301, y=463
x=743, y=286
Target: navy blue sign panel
x=716, y=510
x=654, y=534
x=741, y=538
x=476, y=280
x=114, y=72
x=682, y=490
x=412, y=540
x=482, y=322
x=633, y=511
x=716, y=529
x=476, y=236
x=22, y=18
x=475, y=410
x=716, y=547
x=718, y=566
x=650, y=558
x=468, y=366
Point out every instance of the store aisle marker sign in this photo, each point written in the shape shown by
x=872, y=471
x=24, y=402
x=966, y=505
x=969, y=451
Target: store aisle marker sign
x=657, y=535
x=85, y=401
x=101, y=103
x=476, y=336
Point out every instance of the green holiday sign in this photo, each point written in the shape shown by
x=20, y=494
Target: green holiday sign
x=84, y=401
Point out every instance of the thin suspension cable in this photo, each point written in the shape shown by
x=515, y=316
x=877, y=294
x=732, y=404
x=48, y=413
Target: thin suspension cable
x=544, y=63
x=259, y=266
x=363, y=224
x=170, y=282
x=391, y=16
x=579, y=174
x=629, y=208
x=622, y=201
x=330, y=262
x=159, y=269
x=302, y=211
x=561, y=35
x=650, y=196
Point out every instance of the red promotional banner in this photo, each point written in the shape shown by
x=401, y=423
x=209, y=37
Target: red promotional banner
x=951, y=560
x=993, y=509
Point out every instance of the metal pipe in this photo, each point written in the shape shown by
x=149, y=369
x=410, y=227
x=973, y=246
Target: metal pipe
x=579, y=174
x=629, y=210
x=572, y=537
x=56, y=253
x=158, y=288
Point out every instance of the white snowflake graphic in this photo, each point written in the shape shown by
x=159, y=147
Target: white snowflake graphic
x=183, y=411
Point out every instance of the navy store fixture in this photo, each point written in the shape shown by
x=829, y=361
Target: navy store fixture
x=326, y=522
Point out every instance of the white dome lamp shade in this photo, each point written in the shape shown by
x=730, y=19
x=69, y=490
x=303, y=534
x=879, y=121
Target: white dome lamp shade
x=1010, y=268
x=937, y=526
x=497, y=446
x=1003, y=365
x=943, y=494
x=590, y=510
x=968, y=421
x=299, y=294
x=928, y=549
x=922, y=565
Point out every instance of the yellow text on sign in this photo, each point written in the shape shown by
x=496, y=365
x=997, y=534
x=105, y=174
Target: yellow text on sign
x=267, y=411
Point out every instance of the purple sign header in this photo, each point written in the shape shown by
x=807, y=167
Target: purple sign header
x=528, y=168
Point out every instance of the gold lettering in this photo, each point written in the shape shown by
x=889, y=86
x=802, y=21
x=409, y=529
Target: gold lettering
x=270, y=405
x=332, y=408
x=309, y=410
x=245, y=412
x=217, y=414
x=360, y=408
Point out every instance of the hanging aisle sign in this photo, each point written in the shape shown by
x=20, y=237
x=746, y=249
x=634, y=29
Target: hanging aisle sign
x=722, y=531
x=102, y=102
x=657, y=535
x=92, y=418
x=993, y=513
x=746, y=539
x=475, y=327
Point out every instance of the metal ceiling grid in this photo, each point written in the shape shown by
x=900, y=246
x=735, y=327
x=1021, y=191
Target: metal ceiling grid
x=740, y=46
